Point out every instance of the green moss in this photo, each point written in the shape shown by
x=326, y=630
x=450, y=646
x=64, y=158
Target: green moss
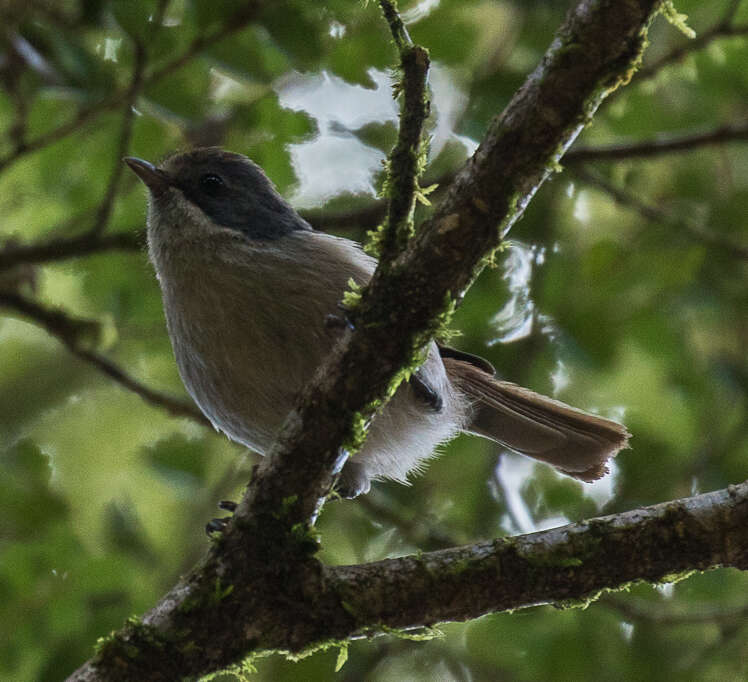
x=562, y=558
x=342, y=657
x=306, y=538
x=188, y=648
x=242, y=671
x=584, y=602
x=676, y=18
x=422, y=194
x=348, y=608
x=352, y=297
x=189, y=604
x=677, y=576
x=289, y=501
x=103, y=642
x=489, y=260
x=373, y=244
x=458, y=567
x=125, y=643
x=220, y=591
x=359, y=426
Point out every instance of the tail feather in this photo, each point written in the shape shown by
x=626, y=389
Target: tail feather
x=575, y=442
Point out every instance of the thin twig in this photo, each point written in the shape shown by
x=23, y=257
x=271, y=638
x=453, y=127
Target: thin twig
x=128, y=114
x=72, y=332
x=397, y=27
x=404, y=164
x=70, y=247
x=732, y=132
x=731, y=11
x=374, y=212
x=721, y=30
x=662, y=217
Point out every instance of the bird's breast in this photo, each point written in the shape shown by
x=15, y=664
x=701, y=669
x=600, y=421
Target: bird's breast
x=245, y=341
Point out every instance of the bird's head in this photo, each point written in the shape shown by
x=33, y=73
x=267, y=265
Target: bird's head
x=217, y=189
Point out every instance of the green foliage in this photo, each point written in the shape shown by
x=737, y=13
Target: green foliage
x=103, y=498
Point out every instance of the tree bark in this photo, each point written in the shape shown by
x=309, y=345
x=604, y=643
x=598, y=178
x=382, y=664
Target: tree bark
x=566, y=566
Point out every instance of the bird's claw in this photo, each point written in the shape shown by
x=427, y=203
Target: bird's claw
x=219, y=525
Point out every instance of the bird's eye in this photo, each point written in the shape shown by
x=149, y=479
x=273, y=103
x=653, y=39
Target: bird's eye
x=212, y=184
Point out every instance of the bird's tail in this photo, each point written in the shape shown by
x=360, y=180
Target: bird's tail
x=575, y=442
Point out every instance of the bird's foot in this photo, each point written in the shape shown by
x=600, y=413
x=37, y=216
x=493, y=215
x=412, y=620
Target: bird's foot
x=353, y=481
x=339, y=321
x=219, y=525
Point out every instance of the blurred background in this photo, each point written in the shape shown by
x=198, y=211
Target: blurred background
x=623, y=291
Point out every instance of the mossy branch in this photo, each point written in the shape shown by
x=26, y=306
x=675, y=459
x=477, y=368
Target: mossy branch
x=407, y=159
x=567, y=566
x=82, y=337
x=193, y=632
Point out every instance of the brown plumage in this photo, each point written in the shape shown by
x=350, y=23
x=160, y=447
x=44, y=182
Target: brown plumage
x=575, y=442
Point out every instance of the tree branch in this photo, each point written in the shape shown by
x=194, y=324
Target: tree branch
x=406, y=160
x=564, y=566
x=660, y=216
x=404, y=303
x=79, y=336
x=723, y=29
x=261, y=586
x=681, y=143
x=573, y=562
x=69, y=247
x=107, y=204
x=375, y=211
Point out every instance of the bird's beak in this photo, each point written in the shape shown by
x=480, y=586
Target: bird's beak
x=155, y=179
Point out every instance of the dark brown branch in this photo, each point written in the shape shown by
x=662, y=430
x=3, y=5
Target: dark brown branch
x=660, y=216
x=572, y=562
x=397, y=27
x=562, y=566
x=70, y=247
x=736, y=132
x=79, y=336
x=107, y=203
x=404, y=163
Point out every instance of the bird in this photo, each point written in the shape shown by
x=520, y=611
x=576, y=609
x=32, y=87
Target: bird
x=248, y=289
